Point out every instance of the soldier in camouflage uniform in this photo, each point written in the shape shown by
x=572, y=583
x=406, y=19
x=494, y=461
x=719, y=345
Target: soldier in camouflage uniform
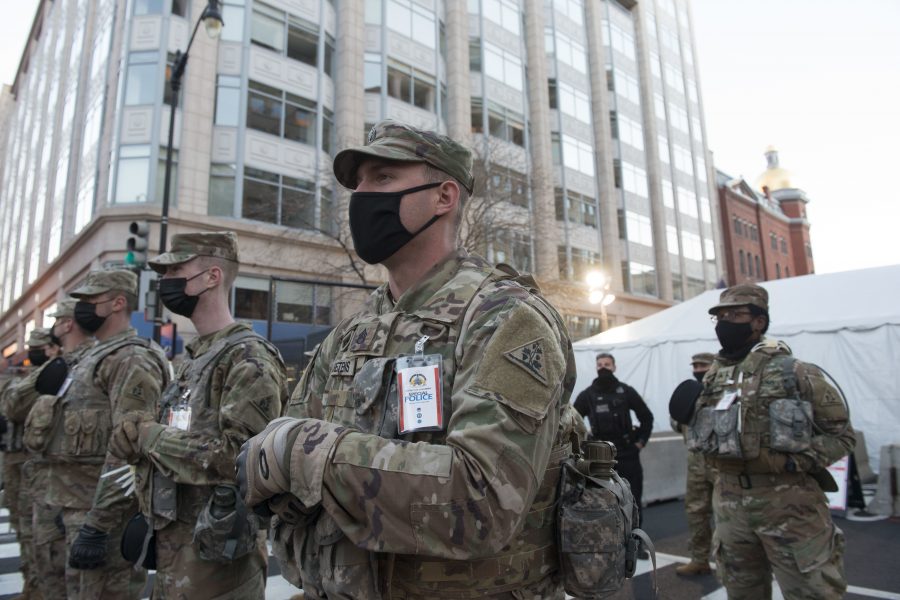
x=371, y=504
x=701, y=477
x=227, y=389
x=48, y=547
x=770, y=424
x=16, y=476
x=122, y=373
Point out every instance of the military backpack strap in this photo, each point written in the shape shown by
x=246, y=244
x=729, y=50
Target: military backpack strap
x=789, y=376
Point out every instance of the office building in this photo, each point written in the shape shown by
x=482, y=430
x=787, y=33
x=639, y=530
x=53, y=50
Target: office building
x=586, y=118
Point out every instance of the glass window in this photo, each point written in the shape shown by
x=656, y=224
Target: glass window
x=687, y=202
x=221, y=190
x=373, y=12
x=638, y=228
x=264, y=109
x=298, y=203
x=574, y=102
x=267, y=28
x=133, y=174
x=148, y=7
x=504, y=13
x=260, y=196
x=372, y=73
x=690, y=245
x=672, y=239
x=142, y=79
x=228, y=100
x=233, y=16
x=574, y=9
x=300, y=120
x=578, y=155
x=302, y=44
x=568, y=51
x=643, y=278
x=251, y=304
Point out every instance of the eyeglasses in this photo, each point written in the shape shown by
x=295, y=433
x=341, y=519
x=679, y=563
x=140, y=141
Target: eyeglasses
x=728, y=315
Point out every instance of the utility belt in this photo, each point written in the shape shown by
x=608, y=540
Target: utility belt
x=510, y=570
x=748, y=481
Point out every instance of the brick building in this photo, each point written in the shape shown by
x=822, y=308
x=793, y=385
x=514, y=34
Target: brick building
x=764, y=230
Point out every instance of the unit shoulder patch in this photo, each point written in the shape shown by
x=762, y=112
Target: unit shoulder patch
x=530, y=357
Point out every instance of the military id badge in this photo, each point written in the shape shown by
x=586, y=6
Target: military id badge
x=180, y=418
x=419, y=391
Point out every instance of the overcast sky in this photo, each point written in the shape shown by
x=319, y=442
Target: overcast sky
x=818, y=79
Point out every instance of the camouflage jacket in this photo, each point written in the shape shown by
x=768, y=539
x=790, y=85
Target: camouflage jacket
x=767, y=377
x=232, y=397
x=130, y=372
x=471, y=490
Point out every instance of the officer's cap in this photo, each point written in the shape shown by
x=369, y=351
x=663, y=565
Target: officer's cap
x=392, y=140
x=745, y=294
x=39, y=336
x=99, y=282
x=706, y=358
x=187, y=246
x=64, y=310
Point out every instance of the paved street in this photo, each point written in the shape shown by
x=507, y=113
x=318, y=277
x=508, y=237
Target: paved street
x=871, y=561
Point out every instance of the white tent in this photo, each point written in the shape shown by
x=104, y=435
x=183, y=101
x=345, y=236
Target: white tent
x=848, y=323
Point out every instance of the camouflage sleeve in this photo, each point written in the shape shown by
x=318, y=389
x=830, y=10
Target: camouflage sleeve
x=20, y=396
x=251, y=386
x=466, y=498
x=133, y=379
x=833, y=436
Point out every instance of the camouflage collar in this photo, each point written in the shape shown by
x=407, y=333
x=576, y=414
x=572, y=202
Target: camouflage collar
x=202, y=343
x=127, y=333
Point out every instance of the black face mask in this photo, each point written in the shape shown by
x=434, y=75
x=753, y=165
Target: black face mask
x=173, y=296
x=733, y=336
x=86, y=316
x=37, y=356
x=604, y=374
x=698, y=375
x=375, y=223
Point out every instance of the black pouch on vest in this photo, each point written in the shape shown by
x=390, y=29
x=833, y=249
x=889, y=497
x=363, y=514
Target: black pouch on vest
x=139, y=541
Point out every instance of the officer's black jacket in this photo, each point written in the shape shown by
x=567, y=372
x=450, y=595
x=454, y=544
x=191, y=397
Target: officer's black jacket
x=624, y=440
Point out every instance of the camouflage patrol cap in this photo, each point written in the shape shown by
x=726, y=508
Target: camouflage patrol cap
x=98, y=282
x=392, y=140
x=187, y=246
x=745, y=294
x=706, y=358
x=64, y=310
x=39, y=336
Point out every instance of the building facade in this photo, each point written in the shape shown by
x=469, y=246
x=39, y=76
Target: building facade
x=586, y=118
x=765, y=230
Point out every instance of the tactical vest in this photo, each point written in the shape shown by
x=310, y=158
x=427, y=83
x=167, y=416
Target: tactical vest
x=369, y=344
x=191, y=387
x=765, y=411
x=82, y=429
x=610, y=418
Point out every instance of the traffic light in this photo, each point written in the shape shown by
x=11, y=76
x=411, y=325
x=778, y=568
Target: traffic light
x=137, y=244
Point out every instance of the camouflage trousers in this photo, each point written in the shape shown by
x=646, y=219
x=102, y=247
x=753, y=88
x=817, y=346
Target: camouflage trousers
x=701, y=477
x=15, y=497
x=49, y=543
x=181, y=573
x=780, y=526
x=116, y=580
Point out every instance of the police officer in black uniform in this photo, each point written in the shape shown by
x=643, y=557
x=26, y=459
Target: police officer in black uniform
x=608, y=404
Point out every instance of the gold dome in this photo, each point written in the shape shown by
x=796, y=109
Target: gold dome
x=774, y=177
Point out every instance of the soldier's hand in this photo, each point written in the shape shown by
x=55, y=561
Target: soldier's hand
x=290, y=510
x=89, y=549
x=263, y=464
x=134, y=432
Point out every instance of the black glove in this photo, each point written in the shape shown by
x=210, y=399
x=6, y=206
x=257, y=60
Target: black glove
x=58, y=521
x=89, y=550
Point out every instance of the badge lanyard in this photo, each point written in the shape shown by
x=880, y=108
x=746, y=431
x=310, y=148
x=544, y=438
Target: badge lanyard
x=419, y=391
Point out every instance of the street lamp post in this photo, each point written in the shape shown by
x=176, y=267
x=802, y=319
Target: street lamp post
x=211, y=17
x=598, y=293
